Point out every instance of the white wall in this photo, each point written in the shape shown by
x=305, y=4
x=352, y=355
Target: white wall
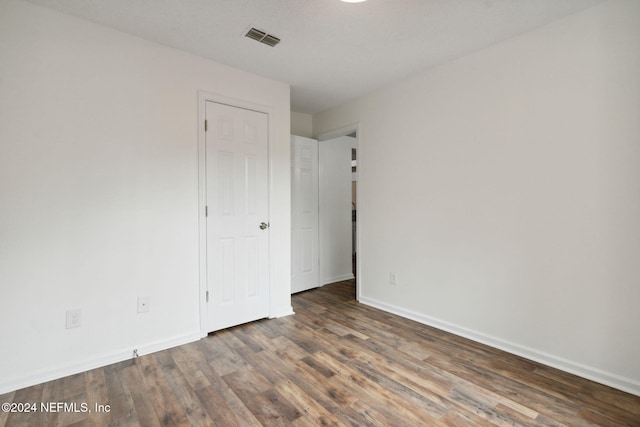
x=503, y=189
x=99, y=191
x=335, y=209
x=302, y=124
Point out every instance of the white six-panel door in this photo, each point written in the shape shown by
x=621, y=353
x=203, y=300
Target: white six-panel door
x=304, y=214
x=237, y=215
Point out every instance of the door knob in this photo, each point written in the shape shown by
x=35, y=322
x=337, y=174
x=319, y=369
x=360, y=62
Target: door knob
x=264, y=225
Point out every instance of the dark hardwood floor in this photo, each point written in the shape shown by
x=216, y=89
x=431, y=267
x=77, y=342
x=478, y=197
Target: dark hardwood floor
x=336, y=362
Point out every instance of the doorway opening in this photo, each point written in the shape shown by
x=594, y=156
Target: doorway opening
x=345, y=141
x=324, y=202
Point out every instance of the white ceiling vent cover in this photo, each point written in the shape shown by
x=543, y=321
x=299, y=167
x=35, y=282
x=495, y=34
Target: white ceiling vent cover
x=262, y=37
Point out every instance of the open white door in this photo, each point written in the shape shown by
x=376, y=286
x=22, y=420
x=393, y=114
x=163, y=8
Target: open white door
x=304, y=214
x=237, y=215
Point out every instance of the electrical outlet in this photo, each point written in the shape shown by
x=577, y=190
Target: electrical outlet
x=143, y=304
x=74, y=318
x=392, y=279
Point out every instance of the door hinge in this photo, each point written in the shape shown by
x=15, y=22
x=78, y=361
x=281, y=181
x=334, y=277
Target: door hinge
x=207, y=296
x=205, y=126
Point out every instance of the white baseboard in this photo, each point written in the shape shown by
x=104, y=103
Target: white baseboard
x=337, y=279
x=594, y=374
x=289, y=312
x=87, y=365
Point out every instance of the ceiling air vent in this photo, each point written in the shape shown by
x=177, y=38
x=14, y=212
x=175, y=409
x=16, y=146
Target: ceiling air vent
x=262, y=37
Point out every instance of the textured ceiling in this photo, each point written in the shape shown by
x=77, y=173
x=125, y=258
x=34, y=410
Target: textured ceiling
x=331, y=52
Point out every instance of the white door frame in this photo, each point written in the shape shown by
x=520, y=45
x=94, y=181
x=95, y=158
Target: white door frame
x=337, y=133
x=203, y=98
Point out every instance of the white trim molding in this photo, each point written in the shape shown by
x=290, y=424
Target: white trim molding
x=284, y=314
x=334, y=279
x=594, y=374
x=98, y=362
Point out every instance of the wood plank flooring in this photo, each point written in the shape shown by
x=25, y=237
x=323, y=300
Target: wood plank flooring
x=335, y=363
